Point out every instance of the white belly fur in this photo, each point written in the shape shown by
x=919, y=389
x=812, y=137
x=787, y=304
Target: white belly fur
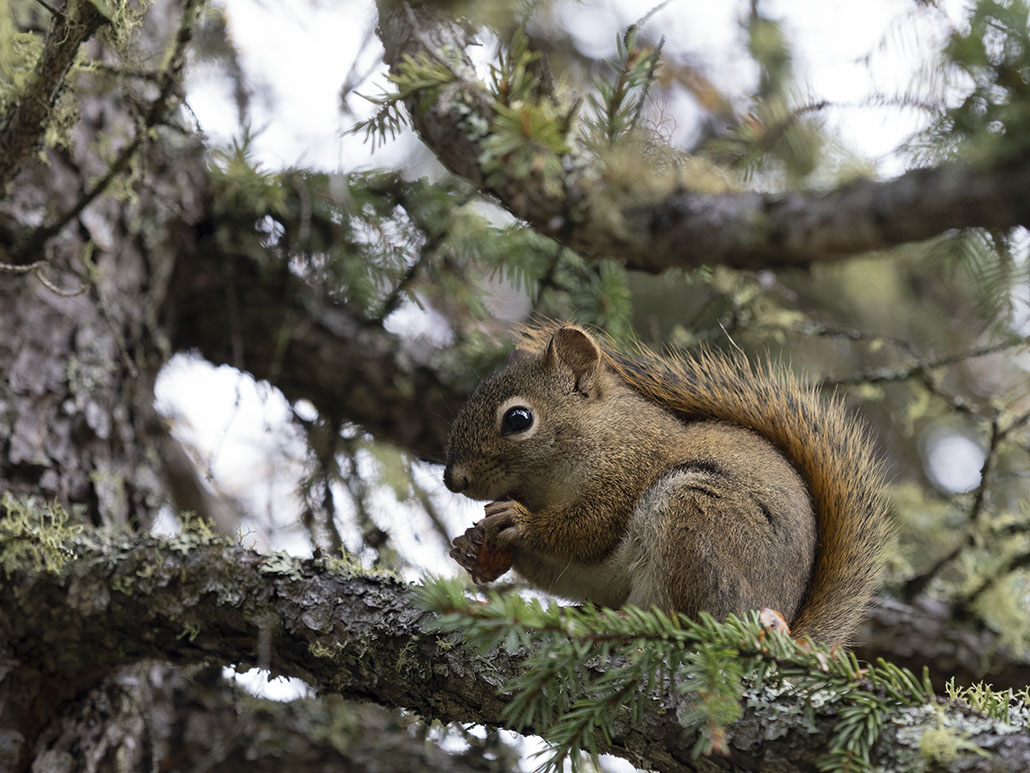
x=625, y=577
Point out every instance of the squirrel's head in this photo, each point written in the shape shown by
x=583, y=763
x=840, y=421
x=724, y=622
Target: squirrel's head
x=514, y=437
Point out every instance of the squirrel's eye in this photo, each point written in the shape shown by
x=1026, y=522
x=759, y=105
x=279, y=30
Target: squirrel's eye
x=517, y=419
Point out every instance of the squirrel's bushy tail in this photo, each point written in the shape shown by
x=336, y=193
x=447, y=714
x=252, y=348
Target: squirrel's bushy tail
x=827, y=446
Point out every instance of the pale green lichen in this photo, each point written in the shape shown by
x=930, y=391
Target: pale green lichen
x=945, y=745
x=1007, y=710
x=123, y=584
x=405, y=661
x=349, y=567
x=321, y=650
x=447, y=643
x=31, y=531
x=124, y=17
x=780, y=717
x=19, y=52
x=189, y=631
x=946, y=741
x=346, y=565
x=281, y=564
x=194, y=532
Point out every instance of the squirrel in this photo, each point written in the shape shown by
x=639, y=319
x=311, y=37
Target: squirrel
x=690, y=483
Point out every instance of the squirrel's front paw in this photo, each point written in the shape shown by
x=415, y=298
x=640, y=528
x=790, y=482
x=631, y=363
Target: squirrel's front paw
x=503, y=524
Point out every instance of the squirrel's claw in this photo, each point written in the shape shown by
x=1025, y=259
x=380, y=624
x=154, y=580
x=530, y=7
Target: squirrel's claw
x=502, y=525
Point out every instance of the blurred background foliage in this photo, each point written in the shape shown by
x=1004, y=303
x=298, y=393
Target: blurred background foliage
x=928, y=342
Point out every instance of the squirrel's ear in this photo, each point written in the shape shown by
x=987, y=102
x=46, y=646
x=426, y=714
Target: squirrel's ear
x=575, y=350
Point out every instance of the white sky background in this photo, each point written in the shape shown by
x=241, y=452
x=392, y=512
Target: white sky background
x=304, y=53
x=301, y=53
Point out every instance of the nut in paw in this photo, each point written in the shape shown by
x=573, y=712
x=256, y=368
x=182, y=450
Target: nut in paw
x=483, y=561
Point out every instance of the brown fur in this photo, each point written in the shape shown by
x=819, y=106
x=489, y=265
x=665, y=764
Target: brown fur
x=694, y=484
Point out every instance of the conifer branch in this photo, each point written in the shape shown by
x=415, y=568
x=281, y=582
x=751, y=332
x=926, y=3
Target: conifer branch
x=656, y=221
x=923, y=367
x=311, y=348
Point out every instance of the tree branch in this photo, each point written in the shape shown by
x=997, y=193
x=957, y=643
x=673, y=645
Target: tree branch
x=24, y=126
x=927, y=633
x=654, y=222
x=283, y=329
x=194, y=599
x=293, y=335
x=154, y=716
x=277, y=327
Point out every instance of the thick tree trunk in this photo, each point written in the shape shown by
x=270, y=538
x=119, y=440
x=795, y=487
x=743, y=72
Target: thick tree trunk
x=81, y=347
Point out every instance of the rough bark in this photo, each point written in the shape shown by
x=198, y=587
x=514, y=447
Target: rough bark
x=82, y=276
x=79, y=361
x=151, y=717
x=652, y=225
x=195, y=600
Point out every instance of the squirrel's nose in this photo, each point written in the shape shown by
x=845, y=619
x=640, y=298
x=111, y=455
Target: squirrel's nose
x=456, y=480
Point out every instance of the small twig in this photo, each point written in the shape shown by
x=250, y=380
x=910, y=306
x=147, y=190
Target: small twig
x=426, y=502
x=393, y=300
x=435, y=232
x=958, y=403
x=918, y=584
x=327, y=466
x=51, y=10
x=43, y=280
x=651, y=70
x=547, y=281
x=323, y=436
x=774, y=133
x=1016, y=562
x=818, y=330
x=1016, y=424
x=882, y=375
x=151, y=76
x=371, y=535
x=36, y=270
x=923, y=371
x=22, y=269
